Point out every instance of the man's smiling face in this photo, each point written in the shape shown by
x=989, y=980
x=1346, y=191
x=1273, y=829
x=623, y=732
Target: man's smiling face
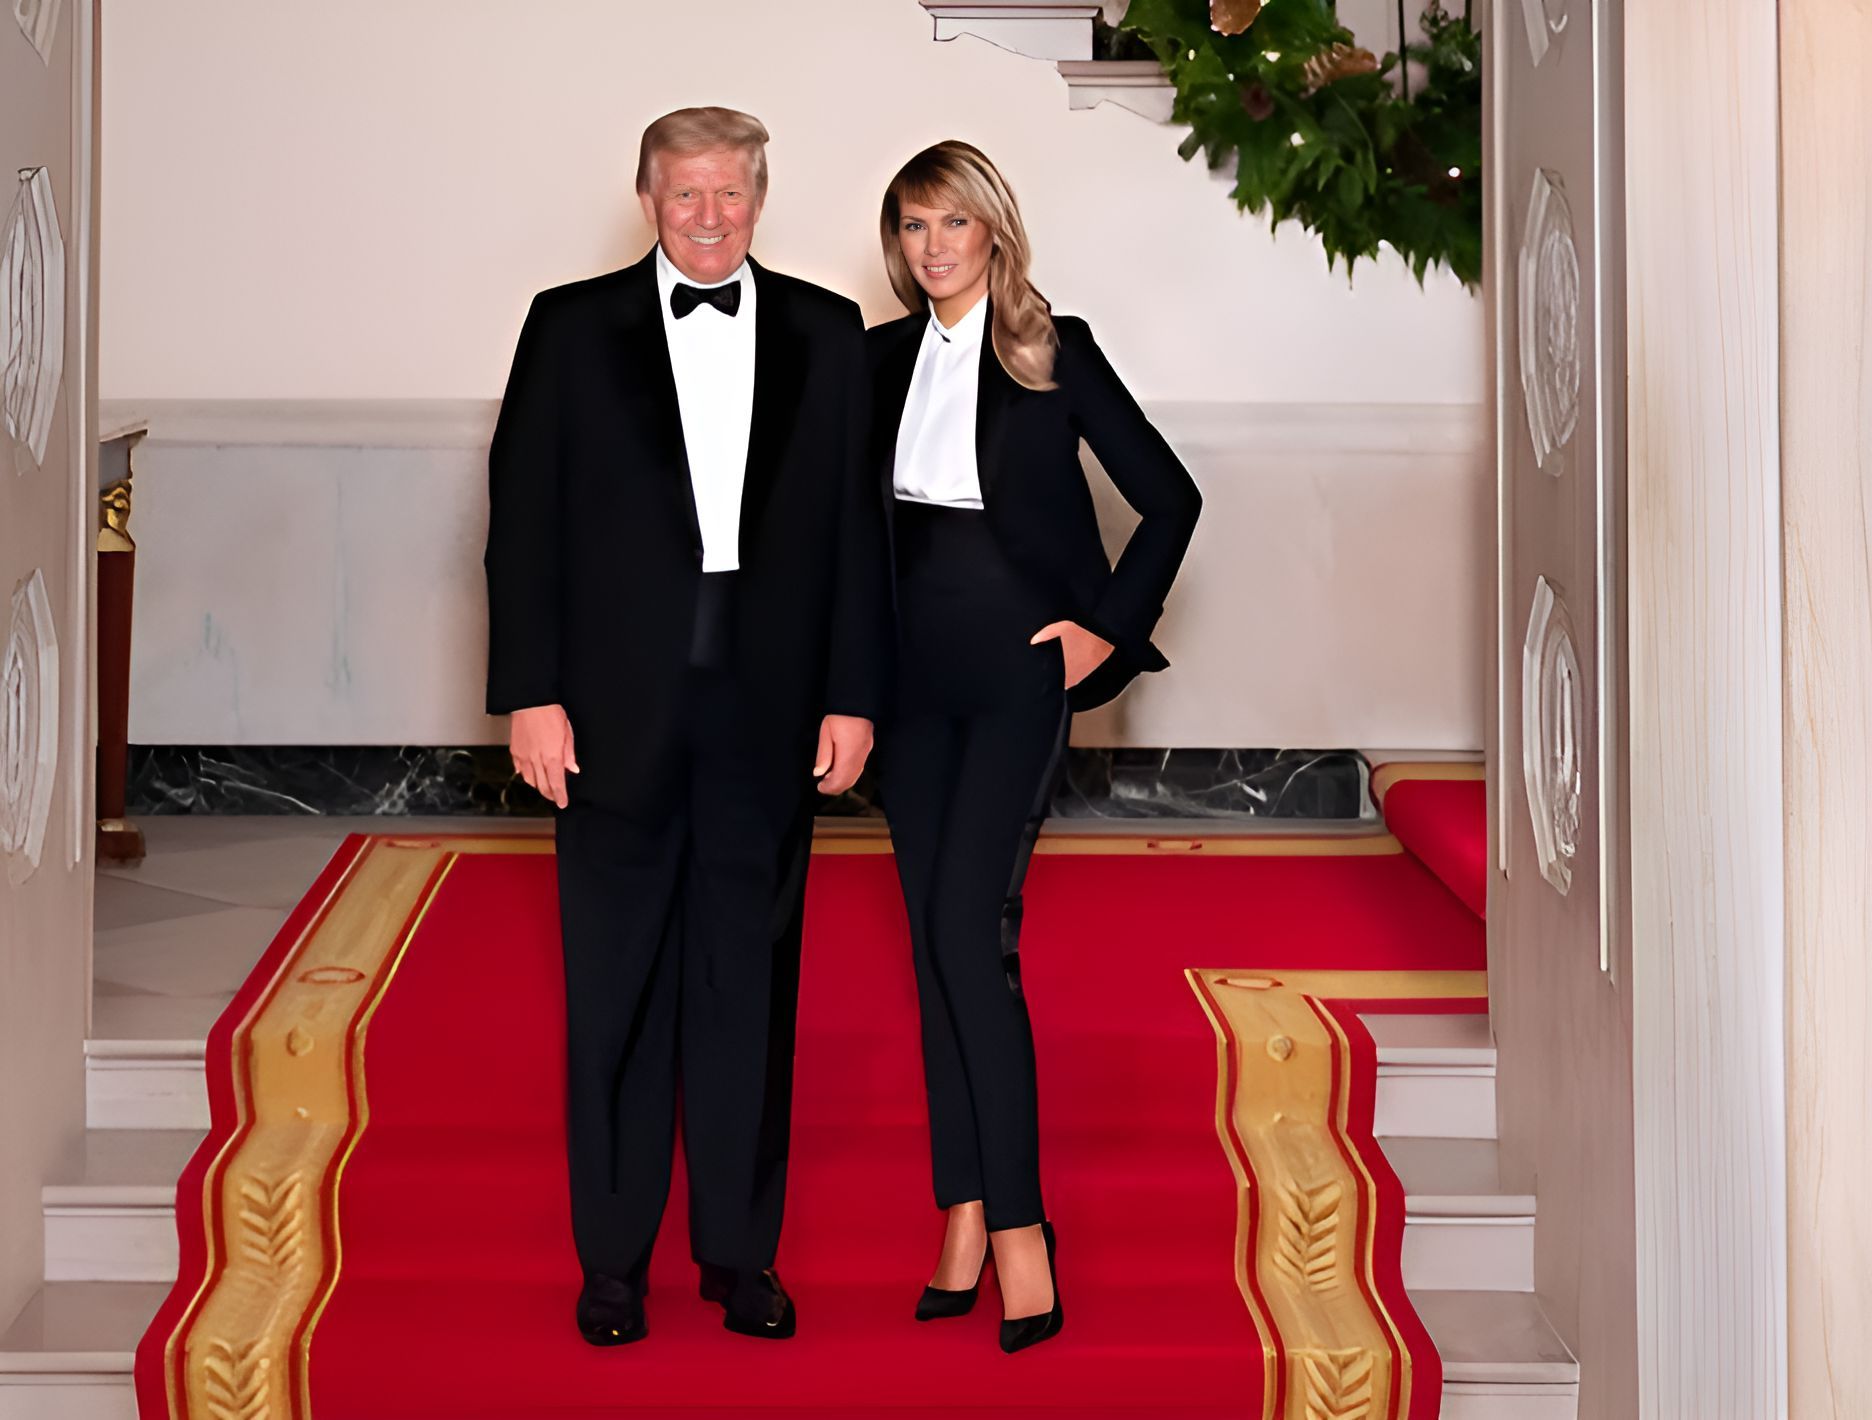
x=704, y=208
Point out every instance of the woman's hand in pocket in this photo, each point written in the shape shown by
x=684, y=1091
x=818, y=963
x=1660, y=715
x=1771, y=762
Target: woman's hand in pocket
x=1085, y=651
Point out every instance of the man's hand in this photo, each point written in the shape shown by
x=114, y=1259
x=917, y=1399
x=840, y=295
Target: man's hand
x=1085, y=651
x=541, y=741
x=844, y=746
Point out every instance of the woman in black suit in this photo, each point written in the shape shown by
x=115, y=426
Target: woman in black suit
x=1010, y=618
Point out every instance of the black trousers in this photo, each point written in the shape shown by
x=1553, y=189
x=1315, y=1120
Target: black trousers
x=967, y=767
x=681, y=931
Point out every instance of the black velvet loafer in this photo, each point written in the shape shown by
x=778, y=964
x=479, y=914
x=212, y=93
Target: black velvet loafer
x=753, y=1303
x=611, y=1309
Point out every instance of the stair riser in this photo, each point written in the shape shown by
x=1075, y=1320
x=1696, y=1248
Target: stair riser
x=158, y=1095
x=112, y=1398
x=98, y=1245
x=1413, y=1103
x=78, y=1397
x=110, y=1245
x=1457, y=1105
x=1509, y=1402
x=1469, y=1257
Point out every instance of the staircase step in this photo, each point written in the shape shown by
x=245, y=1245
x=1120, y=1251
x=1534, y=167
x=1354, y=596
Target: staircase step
x=145, y=1084
x=1436, y=1079
x=1501, y=1358
x=1436, y=1075
x=116, y=1222
x=1462, y=1231
x=68, y=1356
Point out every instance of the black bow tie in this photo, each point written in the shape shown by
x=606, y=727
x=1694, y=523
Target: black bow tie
x=685, y=298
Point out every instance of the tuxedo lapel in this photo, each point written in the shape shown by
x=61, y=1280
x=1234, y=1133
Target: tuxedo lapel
x=780, y=355
x=648, y=385
x=995, y=391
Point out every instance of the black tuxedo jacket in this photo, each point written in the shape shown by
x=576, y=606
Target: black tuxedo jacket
x=1035, y=494
x=594, y=552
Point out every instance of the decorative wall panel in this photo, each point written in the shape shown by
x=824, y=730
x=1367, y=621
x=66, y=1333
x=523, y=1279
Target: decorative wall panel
x=1550, y=320
x=32, y=313
x=38, y=21
x=29, y=687
x=1553, y=714
x=1545, y=19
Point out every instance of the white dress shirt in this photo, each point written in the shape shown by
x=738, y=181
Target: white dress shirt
x=712, y=356
x=936, y=437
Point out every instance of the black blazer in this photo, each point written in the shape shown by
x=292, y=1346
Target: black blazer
x=1035, y=494
x=594, y=552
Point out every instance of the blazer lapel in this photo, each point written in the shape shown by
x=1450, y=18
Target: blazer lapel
x=649, y=386
x=995, y=391
x=780, y=356
x=894, y=373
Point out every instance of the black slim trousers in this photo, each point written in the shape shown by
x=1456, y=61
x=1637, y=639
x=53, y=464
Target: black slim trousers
x=967, y=766
x=681, y=932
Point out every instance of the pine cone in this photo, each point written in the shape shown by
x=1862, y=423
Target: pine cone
x=1341, y=61
x=1231, y=17
x=1258, y=101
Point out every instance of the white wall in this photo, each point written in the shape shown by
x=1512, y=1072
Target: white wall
x=311, y=574
x=355, y=199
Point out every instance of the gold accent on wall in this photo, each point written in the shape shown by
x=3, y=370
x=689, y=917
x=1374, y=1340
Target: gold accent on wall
x=1310, y=1285
x=114, y=519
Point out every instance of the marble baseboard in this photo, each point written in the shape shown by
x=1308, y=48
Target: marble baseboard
x=480, y=780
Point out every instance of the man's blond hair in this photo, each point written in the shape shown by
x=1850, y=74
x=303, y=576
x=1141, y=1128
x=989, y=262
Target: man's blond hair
x=688, y=131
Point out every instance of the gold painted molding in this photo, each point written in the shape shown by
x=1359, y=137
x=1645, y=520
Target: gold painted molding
x=1304, y=1266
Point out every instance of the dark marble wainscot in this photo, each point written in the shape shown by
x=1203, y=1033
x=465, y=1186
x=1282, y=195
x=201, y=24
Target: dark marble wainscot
x=1212, y=783
x=387, y=780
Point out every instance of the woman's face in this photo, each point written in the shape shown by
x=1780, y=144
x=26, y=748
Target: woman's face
x=947, y=251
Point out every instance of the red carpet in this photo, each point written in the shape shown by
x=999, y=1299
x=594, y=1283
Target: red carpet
x=455, y=1290
x=1439, y=813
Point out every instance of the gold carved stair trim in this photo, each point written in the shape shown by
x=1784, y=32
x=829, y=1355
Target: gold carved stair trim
x=1306, y=1269
x=242, y=1348
x=1222, y=844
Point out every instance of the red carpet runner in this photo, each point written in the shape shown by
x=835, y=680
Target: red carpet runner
x=1438, y=812
x=401, y=1247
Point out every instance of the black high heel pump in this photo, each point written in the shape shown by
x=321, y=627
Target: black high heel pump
x=1020, y=1332
x=940, y=1303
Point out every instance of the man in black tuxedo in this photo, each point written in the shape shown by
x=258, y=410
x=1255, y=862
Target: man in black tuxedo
x=688, y=611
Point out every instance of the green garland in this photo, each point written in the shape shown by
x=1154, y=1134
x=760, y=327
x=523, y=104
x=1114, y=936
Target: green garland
x=1326, y=134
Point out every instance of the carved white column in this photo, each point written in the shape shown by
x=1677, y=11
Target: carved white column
x=1708, y=937
x=1826, y=480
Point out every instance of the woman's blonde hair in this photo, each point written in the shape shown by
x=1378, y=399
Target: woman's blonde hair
x=959, y=176
x=689, y=131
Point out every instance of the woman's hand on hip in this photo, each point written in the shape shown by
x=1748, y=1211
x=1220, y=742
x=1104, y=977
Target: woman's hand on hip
x=540, y=739
x=1085, y=651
